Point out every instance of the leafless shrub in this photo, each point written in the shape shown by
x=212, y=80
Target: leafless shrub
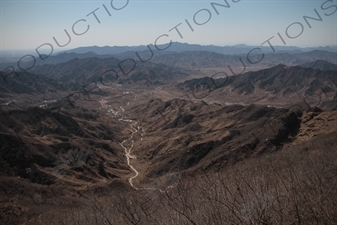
x=289, y=187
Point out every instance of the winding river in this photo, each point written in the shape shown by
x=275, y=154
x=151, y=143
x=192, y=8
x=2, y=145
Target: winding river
x=128, y=152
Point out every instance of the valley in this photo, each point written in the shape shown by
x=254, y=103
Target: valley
x=178, y=140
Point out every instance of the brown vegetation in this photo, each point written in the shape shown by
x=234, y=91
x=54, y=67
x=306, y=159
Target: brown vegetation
x=295, y=186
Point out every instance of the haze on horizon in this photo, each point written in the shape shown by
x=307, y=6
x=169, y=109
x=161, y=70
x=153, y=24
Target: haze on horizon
x=30, y=24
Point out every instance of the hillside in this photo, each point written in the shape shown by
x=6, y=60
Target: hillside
x=92, y=69
x=29, y=83
x=321, y=65
x=279, y=86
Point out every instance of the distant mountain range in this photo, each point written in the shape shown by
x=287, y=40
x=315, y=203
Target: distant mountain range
x=210, y=59
x=123, y=52
x=167, y=68
x=182, y=47
x=91, y=69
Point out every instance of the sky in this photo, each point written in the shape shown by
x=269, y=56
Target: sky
x=29, y=24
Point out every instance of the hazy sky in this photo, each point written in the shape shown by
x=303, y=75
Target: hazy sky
x=28, y=24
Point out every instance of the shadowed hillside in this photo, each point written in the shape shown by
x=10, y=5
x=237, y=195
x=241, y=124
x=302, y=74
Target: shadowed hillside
x=321, y=65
